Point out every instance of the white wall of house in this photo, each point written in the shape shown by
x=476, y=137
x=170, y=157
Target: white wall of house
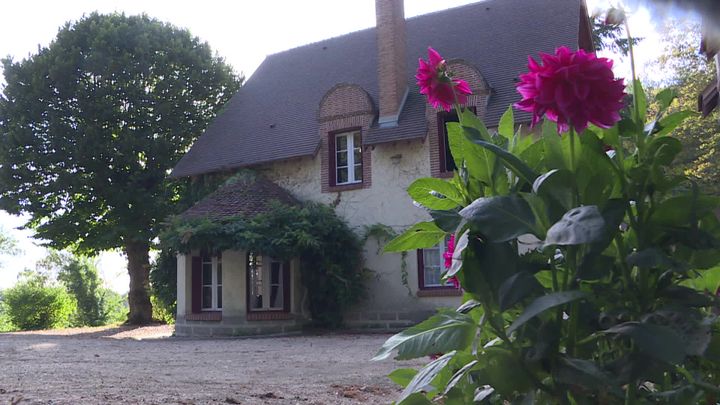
x=394, y=167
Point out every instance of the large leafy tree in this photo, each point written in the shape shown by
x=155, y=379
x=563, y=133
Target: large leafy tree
x=90, y=127
x=690, y=72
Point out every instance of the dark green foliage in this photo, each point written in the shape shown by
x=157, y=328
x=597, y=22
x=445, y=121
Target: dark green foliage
x=614, y=303
x=96, y=305
x=330, y=252
x=34, y=303
x=163, y=285
x=91, y=125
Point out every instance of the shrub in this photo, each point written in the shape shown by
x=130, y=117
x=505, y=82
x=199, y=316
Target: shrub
x=35, y=304
x=163, y=287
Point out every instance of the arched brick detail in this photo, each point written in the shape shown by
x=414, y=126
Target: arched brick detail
x=479, y=99
x=345, y=100
x=343, y=107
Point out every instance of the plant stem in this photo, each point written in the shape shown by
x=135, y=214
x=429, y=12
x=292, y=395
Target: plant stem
x=630, y=393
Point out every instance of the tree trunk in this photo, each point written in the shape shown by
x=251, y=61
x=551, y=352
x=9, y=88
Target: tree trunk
x=139, y=294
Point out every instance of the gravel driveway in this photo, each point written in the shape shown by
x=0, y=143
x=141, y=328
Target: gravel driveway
x=146, y=366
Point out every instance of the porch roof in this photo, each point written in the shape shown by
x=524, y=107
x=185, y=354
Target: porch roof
x=247, y=195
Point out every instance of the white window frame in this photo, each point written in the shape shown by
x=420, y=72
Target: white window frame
x=266, y=268
x=350, y=153
x=215, y=282
x=441, y=248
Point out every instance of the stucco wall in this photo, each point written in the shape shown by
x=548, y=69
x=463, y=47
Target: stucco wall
x=389, y=304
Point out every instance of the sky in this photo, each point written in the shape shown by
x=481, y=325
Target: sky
x=243, y=32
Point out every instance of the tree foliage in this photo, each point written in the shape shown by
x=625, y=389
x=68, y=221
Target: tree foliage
x=689, y=72
x=91, y=125
x=96, y=305
x=611, y=37
x=35, y=303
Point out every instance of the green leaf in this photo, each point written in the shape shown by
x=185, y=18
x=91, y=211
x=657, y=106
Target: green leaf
x=420, y=236
x=459, y=375
x=425, y=376
x=448, y=221
x=468, y=306
x=671, y=121
x=663, y=150
x=402, y=376
x=481, y=393
x=656, y=341
x=417, y=398
x=640, y=101
x=460, y=245
x=515, y=288
x=578, y=226
x=665, y=97
x=435, y=194
x=544, y=303
x=506, y=127
x=556, y=185
x=512, y=162
x=500, y=218
x=445, y=331
x=586, y=374
x=456, y=140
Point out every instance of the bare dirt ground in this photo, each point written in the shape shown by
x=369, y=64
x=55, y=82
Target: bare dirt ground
x=125, y=365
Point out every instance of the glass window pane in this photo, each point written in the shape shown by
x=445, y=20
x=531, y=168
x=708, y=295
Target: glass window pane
x=219, y=297
x=275, y=273
x=342, y=175
x=276, y=297
x=342, y=159
x=207, y=273
x=431, y=257
x=219, y=273
x=358, y=173
x=357, y=156
x=432, y=276
x=341, y=142
x=356, y=140
x=207, y=297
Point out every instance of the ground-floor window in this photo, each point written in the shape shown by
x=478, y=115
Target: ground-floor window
x=211, y=282
x=268, y=283
x=431, y=267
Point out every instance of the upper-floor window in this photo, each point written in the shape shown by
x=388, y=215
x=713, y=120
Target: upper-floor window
x=447, y=163
x=211, y=283
x=348, y=158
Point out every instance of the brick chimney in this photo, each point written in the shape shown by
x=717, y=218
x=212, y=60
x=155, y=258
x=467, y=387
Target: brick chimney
x=392, y=69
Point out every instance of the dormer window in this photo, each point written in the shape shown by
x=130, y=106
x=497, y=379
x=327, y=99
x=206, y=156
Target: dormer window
x=348, y=158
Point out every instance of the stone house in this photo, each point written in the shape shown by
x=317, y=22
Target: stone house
x=341, y=122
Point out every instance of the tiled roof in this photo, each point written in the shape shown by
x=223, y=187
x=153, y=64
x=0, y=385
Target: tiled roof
x=247, y=195
x=274, y=116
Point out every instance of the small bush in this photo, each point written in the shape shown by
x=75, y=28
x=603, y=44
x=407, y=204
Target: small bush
x=163, y=287
x=34, y=304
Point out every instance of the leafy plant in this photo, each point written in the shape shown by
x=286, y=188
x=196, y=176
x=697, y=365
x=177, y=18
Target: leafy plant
x=34, y=303
x=606, y=308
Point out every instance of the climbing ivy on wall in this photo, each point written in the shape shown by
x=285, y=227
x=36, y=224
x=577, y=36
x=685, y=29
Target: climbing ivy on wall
x=383, y=234
x=330, y=252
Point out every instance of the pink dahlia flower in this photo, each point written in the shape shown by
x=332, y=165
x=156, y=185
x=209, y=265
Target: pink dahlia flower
x=571, y=88
x=449, y=252
x=437, y=83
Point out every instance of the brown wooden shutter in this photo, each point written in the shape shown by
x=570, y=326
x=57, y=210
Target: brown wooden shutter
x=286, y=287
x=332, y=164
x=196, y=287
